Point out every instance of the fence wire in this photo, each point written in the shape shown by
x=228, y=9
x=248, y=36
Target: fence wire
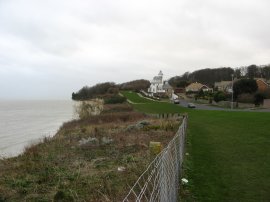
x=160, y=181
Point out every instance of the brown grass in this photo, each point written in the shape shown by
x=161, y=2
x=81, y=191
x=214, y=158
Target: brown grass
x=103, y=119
x=115, y=108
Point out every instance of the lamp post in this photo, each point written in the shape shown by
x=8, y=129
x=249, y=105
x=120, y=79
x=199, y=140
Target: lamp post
x=232, y=93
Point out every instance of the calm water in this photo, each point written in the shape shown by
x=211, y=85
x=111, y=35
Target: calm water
x=25, y=122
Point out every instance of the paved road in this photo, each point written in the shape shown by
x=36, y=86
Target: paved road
x=184, y=103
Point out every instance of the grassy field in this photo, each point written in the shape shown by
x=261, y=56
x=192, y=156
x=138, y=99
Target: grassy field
x=229, y=153
x=134, y=97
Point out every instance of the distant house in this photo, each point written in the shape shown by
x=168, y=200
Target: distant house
x=262, y=85
x=160, y=87
x=197, y=87
x=157, y=84
x=224, y=86
x=168, y=88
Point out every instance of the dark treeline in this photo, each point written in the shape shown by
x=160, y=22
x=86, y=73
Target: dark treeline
x=97, y=90
x=109, y=89
x=135, y=85
x=254, y=71
x=205, y=76
x=210, y=76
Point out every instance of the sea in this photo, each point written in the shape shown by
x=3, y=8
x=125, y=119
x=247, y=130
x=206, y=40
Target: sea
x=23, y=123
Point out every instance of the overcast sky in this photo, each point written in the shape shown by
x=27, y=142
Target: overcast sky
x=48, y=49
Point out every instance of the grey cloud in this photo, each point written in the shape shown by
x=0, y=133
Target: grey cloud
x=51, y=48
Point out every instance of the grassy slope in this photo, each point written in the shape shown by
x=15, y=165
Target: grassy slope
x=229, y=153
x=135, y=97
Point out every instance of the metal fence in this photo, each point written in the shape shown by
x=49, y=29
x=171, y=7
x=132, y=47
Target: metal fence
x=160, y=181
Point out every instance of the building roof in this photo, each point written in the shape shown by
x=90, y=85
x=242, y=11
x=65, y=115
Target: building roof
x=160, y=73
x=195, y=87
x=157, y=80
x=262, y=80
x=262, y=85
x=167, y=85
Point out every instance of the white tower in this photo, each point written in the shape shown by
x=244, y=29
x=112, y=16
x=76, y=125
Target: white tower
x=160, y=73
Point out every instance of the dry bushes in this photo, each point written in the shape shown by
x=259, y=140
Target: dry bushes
x=104, y=118
x=60, y=168
x=115, y=108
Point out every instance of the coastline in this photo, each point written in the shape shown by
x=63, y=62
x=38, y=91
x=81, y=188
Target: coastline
x=23, y=123
x=81, y=161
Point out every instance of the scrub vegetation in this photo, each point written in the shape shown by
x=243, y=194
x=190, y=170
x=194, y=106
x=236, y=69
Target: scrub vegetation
x=97, y=158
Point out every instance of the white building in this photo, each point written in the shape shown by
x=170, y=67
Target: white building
x=157, y=84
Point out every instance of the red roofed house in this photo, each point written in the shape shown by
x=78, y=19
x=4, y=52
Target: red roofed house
x=197, y=87
x=262, y=85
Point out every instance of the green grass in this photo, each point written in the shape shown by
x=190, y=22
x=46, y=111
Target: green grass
x=229, y=153
x=135, y=98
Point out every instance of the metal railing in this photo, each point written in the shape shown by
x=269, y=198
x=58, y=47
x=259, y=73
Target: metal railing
x=160, y=181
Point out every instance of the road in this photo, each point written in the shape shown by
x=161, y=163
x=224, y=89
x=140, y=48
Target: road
x=184, y=103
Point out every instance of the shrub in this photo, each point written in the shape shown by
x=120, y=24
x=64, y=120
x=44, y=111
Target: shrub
x=161, y=95
x=258, y=98
x=201, y=94
x=219, y=96
x=246, y=98
x=97, y=90
x=117, y=108
x=244, y=86
x=63, y=196
x=267, y=93
x=116, y=99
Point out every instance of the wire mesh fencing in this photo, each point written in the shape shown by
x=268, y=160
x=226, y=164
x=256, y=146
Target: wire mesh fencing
x=160, y=181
